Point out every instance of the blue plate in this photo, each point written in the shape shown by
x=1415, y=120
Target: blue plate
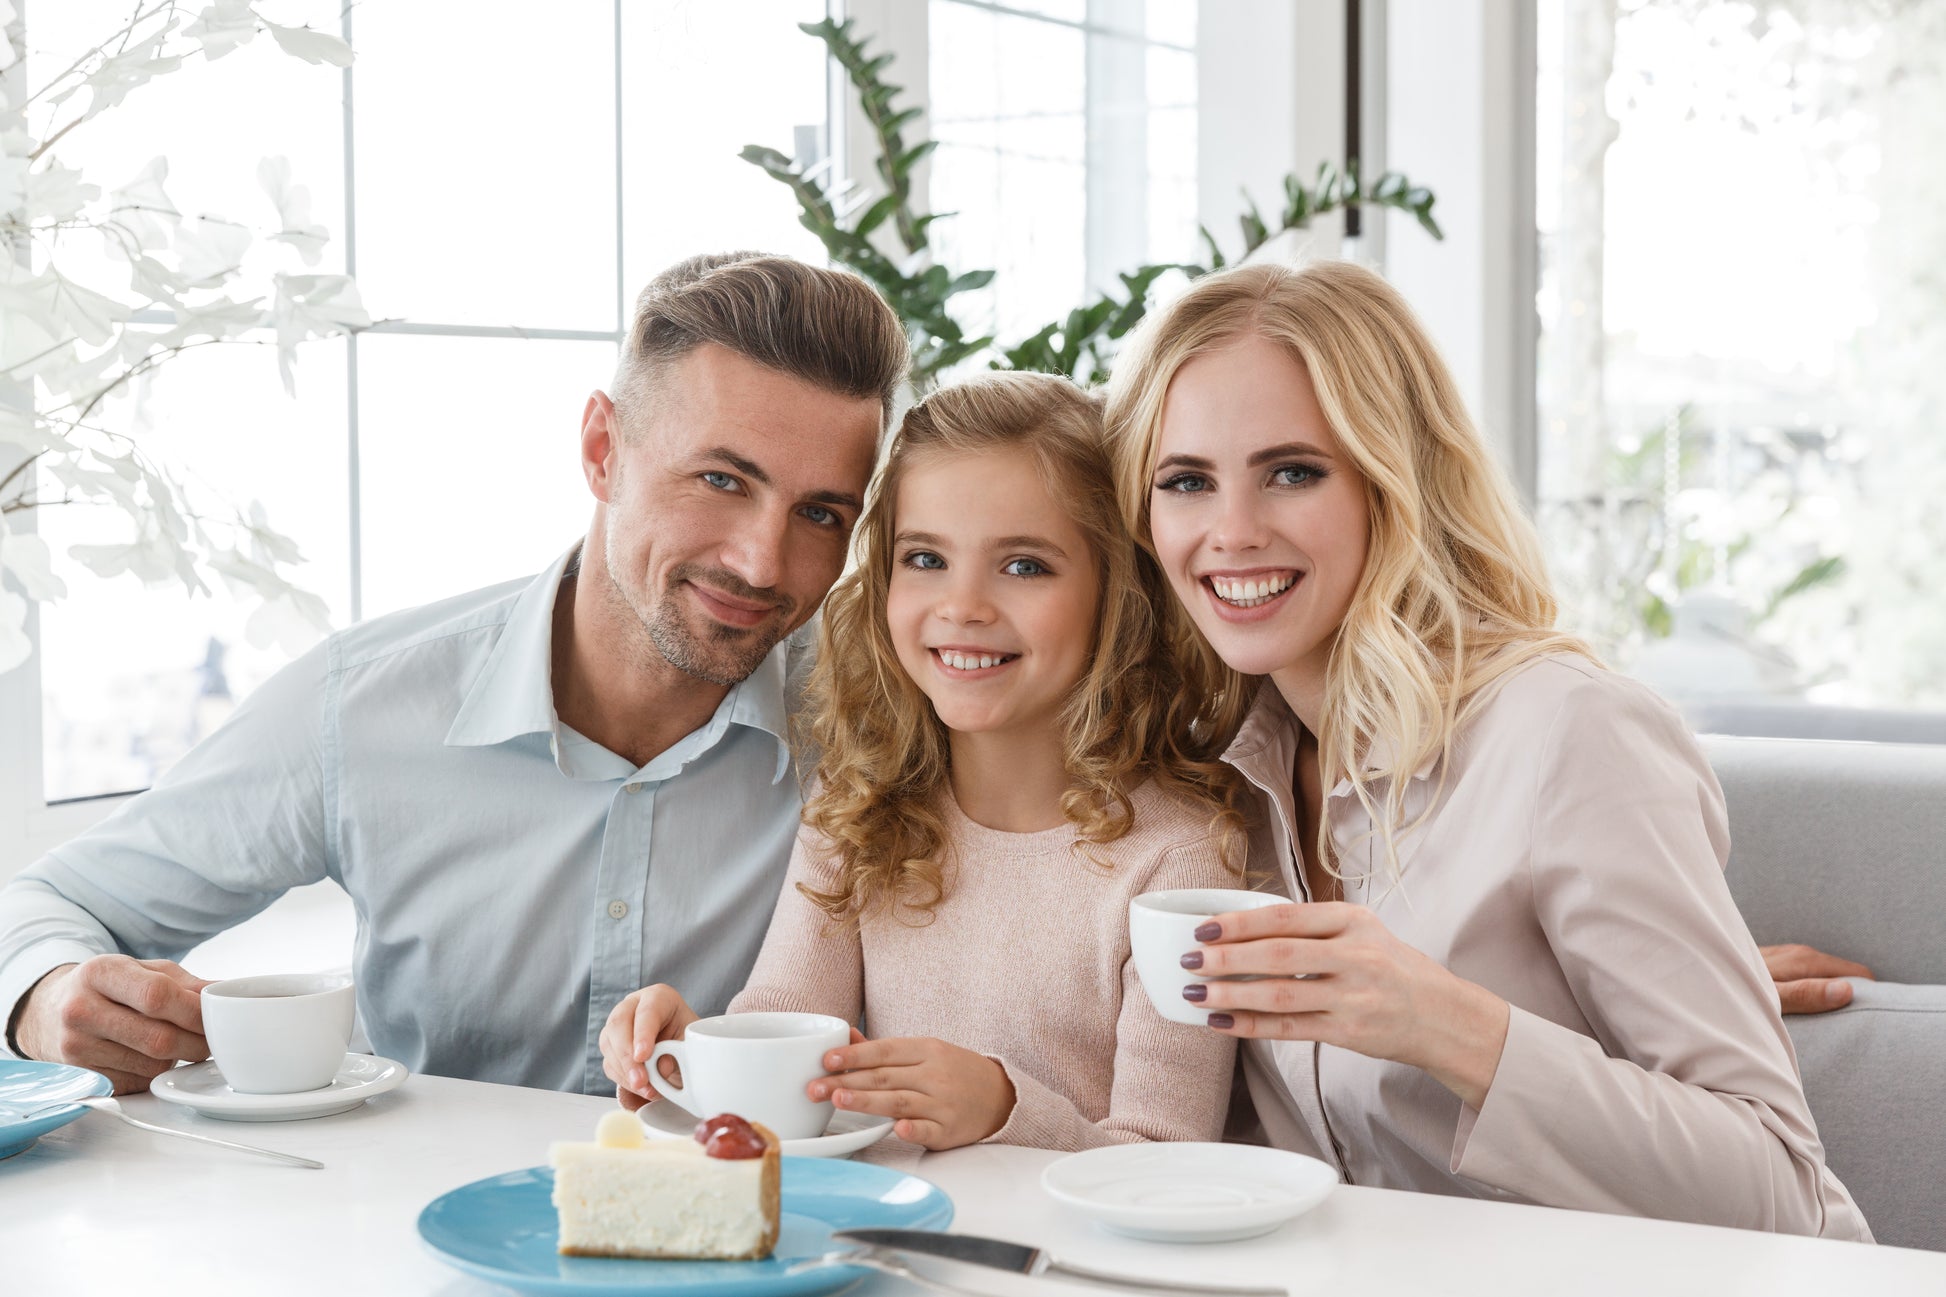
x=503, y=1230
x=23, y=1081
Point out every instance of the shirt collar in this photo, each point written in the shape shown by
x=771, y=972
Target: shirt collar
x=514, y=692
x=1266, y=745
x=759, y=701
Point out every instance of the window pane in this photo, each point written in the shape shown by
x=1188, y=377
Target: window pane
x=1009, y=110
x=485, y=151
x=731, y=75
x=469, y=453
x=1739, y=364
x=131, y=677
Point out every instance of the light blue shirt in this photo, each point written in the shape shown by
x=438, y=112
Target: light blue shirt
x=512, y=879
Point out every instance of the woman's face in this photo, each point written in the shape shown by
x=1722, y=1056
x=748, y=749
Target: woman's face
x=994, y=591
x=1259, y=519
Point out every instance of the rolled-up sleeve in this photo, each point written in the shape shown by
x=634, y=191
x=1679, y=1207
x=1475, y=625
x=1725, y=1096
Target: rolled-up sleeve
x=237, y=822
x=1685, y=1103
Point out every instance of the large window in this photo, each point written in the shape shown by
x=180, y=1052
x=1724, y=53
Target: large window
x=1740, y=211
x=501, y=180
x=1067, y=148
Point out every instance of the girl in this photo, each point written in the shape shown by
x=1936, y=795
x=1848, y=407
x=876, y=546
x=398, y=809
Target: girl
x=1523, y=975
x=1001, y=765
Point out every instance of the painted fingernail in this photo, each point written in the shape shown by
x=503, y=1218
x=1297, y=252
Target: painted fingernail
x=1208, y=932
x=1194, y=959
x=819, y=1090
x=842, y=1098
x=1222, y=1021
x=833, y=1061
x=1196, y=993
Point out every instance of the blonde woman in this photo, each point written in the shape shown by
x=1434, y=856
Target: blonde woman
x=999, y=770
x=1518, y=972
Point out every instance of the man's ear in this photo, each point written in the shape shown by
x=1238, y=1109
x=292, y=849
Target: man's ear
x=601, y=436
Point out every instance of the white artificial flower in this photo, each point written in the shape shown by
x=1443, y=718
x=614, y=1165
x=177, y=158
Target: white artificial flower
x=26, y=558
x=312, y=306
x=222, y=27
x=293, y=210
x=312, y=46
x=210, y=249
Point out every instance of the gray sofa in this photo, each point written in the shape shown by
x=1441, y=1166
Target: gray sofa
x=1842, y=846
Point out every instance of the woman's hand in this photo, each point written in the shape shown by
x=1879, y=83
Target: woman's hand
x=643, y=1020
x=941, y=1095
x=1363, y=989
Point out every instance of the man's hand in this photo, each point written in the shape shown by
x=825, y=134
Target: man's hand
x=643, y=1020
x=941, y=1095
x=1807, y=979
x=129, y=1019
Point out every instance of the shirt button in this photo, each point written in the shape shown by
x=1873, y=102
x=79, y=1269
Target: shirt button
x=631, y=788
x=618, y=909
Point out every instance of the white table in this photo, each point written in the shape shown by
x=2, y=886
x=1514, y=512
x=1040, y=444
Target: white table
x=100, y=1208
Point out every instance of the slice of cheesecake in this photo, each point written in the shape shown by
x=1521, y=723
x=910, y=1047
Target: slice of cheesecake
x=714, y=1197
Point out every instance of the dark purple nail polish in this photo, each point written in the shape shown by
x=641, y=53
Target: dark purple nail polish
x=1194, y=959
x=1195, y=993
x=1208, y=932
x=1222, y=1021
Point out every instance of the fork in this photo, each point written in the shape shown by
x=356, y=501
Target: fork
x=22, y=1112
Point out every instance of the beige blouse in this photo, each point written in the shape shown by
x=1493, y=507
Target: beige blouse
x=1026, y=961
x=1572, y=863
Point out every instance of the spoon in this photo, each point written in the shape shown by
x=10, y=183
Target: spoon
x=22, y=1112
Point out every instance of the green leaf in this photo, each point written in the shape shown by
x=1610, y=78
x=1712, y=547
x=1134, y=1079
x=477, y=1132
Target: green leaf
x=1823, y=572
x=1216, y=261
x=910, y=158
x=969, y=281
x=874, y=216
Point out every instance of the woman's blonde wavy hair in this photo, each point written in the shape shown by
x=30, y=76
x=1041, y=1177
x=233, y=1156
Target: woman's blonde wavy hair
x=882, y=756
x=1454, y=595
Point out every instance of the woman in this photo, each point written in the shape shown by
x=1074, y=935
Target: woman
x=1522, y=973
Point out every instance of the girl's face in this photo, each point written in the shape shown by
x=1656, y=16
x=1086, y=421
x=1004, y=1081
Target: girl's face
x=1259, y=519
x=994, y=591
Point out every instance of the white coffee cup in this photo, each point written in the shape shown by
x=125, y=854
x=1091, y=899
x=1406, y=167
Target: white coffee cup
x=755, y=1065
x=280, y=1034
x=1162, y=929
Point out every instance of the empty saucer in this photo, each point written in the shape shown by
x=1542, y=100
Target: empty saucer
x=1189, y=1193
x=200, y=1087
x=846, y=1133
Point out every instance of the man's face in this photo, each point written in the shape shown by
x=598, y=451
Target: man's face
x=727, y=511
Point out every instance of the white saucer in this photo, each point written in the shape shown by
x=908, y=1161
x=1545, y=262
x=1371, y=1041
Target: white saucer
x=1189, y=1193
x=201, y=1088
x=846, y=1134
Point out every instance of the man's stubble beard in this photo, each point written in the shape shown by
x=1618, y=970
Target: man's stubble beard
x=727, y=657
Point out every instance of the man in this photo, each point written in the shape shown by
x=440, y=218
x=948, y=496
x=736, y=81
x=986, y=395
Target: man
x=539, y=796
x=543, y=795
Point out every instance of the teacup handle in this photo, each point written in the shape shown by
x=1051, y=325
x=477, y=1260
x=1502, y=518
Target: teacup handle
x=678, y=1096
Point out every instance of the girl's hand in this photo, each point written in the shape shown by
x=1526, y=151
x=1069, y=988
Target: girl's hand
x=643, y=1020
x=941, y=1095
x=1363, y=990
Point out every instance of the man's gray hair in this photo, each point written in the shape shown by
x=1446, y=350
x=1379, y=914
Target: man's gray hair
x=827, y=327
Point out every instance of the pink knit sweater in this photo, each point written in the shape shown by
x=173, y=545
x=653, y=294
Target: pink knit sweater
x=1026, y=961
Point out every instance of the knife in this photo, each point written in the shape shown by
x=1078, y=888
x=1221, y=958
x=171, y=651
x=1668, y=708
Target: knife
x=998, y=1254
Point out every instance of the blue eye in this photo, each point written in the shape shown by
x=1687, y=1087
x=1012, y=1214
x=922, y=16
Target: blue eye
x=1025, y=567
x=924, y=560
x=721, y=481
x=1296, y=474
x=822, y=516
x=1185, y=484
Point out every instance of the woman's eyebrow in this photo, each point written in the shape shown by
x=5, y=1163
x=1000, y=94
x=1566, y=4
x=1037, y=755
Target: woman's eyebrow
x=1284, y=451
x=1041, y=543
